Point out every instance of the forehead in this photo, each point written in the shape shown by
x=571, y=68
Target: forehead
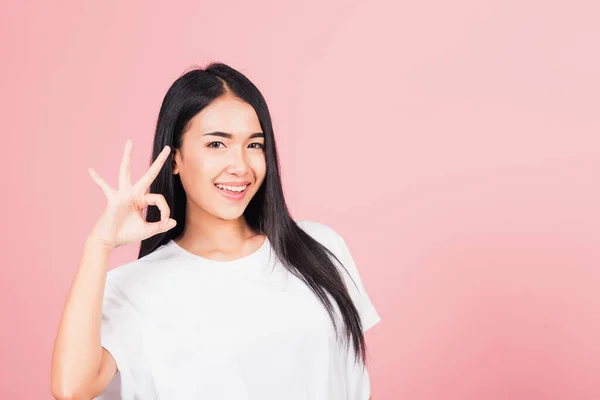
x=226, y=114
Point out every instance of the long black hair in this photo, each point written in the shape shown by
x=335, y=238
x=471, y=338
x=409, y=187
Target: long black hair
x=267, y=211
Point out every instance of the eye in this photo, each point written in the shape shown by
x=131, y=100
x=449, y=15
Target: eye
x=211, y=144
x=260, y=145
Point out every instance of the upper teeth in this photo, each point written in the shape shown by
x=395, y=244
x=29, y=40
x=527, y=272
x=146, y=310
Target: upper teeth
x=232, y=188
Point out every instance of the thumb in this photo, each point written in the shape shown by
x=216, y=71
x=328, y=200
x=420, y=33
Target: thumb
x=162, y=226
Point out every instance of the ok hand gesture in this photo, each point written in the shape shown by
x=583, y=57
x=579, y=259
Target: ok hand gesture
x=123, y=221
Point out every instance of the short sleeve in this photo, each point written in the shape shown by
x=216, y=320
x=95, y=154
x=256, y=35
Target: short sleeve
x=120, y=336
x=368, y=314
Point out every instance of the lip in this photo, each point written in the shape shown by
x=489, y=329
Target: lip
x=230, y=195
x=232, y=183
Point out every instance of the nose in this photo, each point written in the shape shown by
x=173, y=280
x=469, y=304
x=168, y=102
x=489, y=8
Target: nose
x=237, y=161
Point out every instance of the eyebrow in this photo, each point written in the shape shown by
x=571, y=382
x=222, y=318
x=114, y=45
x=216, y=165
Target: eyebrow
x=230, y=136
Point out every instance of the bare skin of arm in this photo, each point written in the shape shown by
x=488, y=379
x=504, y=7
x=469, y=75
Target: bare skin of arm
x=81, y=368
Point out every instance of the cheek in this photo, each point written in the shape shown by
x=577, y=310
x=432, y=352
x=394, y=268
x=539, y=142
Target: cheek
x=205, y=165
x=259, y=166
x=205, y=168
x=199, y=171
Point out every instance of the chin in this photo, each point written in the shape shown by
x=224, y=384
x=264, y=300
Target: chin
x=229, y=216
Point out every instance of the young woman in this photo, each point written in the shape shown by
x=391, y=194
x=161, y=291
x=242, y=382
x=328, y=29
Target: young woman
x=230, y=298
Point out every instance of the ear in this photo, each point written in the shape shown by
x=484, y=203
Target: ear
x=176, y=161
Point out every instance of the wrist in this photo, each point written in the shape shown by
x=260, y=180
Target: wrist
x=95, y=242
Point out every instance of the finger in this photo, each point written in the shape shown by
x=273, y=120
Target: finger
x=160, y=227
x=147, y=179
x=158, y=200
x=124, y=171
x=100, y=182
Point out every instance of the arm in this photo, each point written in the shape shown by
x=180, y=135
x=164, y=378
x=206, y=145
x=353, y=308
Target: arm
x=80, y=367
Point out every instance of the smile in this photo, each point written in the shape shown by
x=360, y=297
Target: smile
x=232, y=188
x=232, y=192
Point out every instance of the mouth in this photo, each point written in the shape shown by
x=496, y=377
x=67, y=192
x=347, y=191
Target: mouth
x=231, y=192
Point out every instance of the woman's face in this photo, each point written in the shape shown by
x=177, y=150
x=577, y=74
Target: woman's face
x=221, y=162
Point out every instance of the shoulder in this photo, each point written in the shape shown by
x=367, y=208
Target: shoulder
x=321, y=232
x=327, y=236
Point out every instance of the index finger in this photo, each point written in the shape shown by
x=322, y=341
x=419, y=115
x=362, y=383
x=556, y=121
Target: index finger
x=147, y=179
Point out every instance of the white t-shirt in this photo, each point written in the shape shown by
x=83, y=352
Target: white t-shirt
x=181, y=326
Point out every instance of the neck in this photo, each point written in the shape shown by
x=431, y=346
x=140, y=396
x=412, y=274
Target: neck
x=204, y=232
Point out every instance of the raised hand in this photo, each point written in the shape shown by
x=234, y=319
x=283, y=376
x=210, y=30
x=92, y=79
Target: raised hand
x=123, y=221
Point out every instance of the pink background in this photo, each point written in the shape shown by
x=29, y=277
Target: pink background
x=455, y=145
